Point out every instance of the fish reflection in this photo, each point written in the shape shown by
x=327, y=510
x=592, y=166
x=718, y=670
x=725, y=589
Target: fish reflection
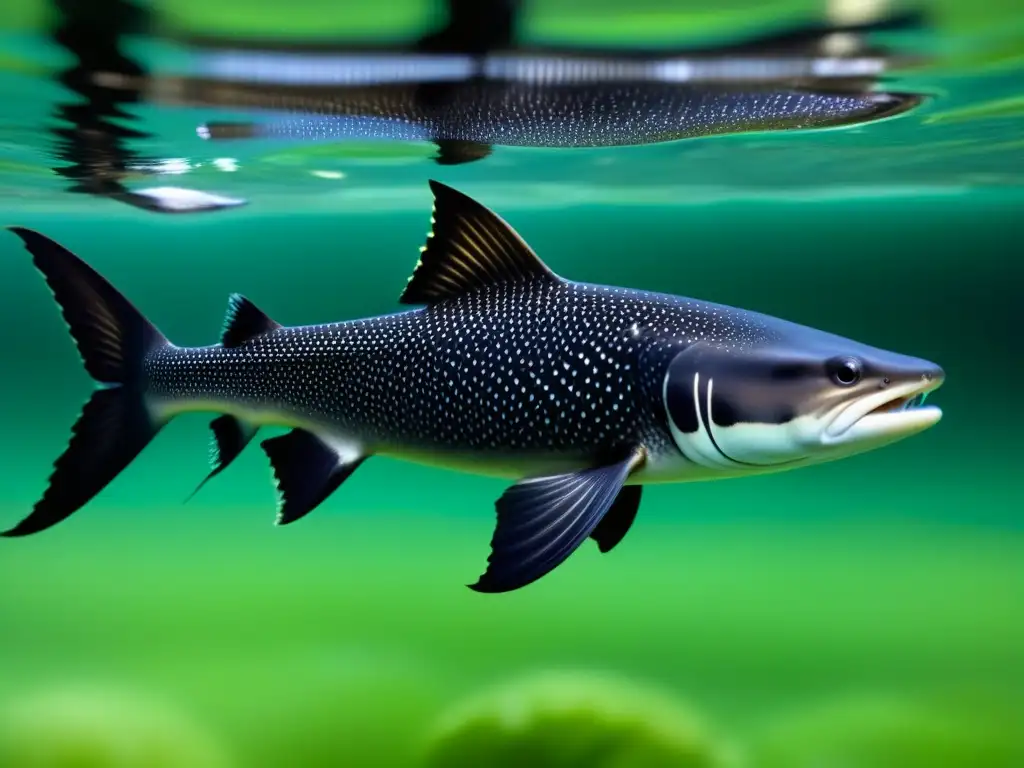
x=467, y=86
x=466, y=119
x=467, y=96
x=94, y=134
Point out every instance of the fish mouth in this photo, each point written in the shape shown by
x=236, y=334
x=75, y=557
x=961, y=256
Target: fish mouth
x=886, y=415
x=901, y=404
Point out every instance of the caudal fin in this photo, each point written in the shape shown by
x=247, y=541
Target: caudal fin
x=113, y=339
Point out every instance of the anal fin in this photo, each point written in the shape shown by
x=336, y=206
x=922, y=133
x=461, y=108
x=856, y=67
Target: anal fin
x=543, y=520
x=229, y=438
x=619, y=519
x=306, y=470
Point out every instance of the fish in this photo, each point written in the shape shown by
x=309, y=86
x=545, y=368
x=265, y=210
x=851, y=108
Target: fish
x=467, y=119
x=580, y=394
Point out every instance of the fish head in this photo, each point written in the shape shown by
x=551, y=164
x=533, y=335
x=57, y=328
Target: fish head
x=805, y=397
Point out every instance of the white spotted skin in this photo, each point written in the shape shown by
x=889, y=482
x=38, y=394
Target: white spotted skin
x=513, y=380
x=521, y=114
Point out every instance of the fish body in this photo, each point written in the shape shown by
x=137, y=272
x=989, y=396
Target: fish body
x=580, y=393
x=576, y=115
x=465, y=119
x=513, y=379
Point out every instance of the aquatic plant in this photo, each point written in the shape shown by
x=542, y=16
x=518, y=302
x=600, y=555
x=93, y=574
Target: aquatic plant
x=101, y=728
x=892, y=733
x=558, y=720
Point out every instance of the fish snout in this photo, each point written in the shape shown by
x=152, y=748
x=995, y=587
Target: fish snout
x=934, y=376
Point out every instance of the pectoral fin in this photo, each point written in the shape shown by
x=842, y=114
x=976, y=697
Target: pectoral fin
x=307, y=470
x=619, y=519
x=541, y=521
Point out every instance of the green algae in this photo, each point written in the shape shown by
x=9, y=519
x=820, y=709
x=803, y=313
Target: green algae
x=563, y=719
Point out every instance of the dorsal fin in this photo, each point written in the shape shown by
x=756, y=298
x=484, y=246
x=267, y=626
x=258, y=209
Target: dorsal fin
x=469, y=247
x=244, y=322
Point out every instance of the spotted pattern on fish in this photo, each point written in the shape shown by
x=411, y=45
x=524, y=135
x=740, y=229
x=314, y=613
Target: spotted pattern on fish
x=519, y=114
x=535, y=366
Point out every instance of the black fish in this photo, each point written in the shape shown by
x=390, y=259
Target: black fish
x=466, y=119
x=580, y=393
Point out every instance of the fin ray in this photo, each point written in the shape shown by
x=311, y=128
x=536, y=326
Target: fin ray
x=113, y=340
x=112, y=336
x=244, y=322
x=542, y=521
x=469, y=248
x=110, y=432
x=306, y=471
x=229, y=436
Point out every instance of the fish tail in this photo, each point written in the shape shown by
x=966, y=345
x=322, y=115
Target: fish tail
x=114, y=340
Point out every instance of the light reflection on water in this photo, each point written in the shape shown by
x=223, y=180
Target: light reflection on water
x=960, y=137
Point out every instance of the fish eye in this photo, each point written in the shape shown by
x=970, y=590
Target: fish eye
x=845, y=371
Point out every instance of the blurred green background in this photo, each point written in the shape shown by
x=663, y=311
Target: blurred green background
x=862, y=614
x=607, y=21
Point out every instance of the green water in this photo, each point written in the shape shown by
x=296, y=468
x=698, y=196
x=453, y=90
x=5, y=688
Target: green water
x=865, y=613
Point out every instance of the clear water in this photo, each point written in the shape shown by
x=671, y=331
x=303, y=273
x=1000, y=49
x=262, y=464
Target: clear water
x=868, y=612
